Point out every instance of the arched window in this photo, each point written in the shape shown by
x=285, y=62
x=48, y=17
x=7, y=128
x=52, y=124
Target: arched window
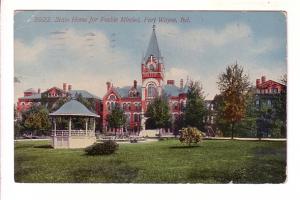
x=113, y=105
x=175, y=106
x=152, y=90
x=151, y=67
x=124, y=106
x=136, y=118
x=112, y=97
x=108, y=106
x=128, y=118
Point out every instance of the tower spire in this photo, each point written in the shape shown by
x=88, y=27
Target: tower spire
x=153, y=48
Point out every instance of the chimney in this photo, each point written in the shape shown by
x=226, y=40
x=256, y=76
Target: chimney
x=263, y=79
x=257, y=82
x=108, y=85
x=69, y=87
x=170, y=82
x=64, y=86
x=135, y=84
x=39, y=90
x=181, y=83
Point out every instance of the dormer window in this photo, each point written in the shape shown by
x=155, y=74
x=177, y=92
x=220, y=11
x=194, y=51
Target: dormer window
x=112, y=97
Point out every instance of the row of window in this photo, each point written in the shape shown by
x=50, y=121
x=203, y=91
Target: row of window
x=136, y=117
x=125, y=106
x=267, y=91
x=258, y=102
x=175, y=106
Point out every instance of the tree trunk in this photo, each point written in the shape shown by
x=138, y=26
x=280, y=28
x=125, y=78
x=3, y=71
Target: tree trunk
x=232, y=130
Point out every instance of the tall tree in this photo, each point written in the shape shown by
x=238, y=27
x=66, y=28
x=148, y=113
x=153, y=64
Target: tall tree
x=158, y=112
x=116, y=119
x=280, y=106
x=195, y=111
x=234, y=85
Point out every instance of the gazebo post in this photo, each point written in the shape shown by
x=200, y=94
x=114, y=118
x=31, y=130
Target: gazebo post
x=70, y=126
x=54, y=119
x=94, y=125
x=86, y=125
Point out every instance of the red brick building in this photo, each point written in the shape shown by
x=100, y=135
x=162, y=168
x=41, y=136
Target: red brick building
x=267, y=91
x=50, y=96
x=135, y=99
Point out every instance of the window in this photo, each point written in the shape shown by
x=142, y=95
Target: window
x=124, y=106
x=136, y=118
x=128, y=118
x=257, y=102
x=269, y=102
x=175, y=106
x=112, y=97
x=151, y=67
x=113, y=105
x=108, y=106
x=152, y=90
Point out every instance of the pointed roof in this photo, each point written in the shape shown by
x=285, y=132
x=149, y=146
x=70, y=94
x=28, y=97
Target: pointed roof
x=73, y=108
x=153, y=48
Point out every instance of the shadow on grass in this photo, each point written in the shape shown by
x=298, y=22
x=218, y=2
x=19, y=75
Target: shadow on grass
x=185, y=147
x=45, y=146
x=107, y=172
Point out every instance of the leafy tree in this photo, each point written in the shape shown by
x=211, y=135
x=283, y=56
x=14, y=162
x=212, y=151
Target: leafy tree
x=195, y=107
x=89, y=103
x=158, y=112
x=57, y=104
x=247, y=127
x=280, y=106
x=178, y=124
x=190, y=135
x=234, y=85
x=117, y=118
x=38, y=121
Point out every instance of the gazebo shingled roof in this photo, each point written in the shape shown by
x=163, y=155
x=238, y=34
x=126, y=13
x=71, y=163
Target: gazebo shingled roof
x=73, y=108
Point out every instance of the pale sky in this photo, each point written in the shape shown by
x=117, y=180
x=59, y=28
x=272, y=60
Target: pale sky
x=88, y=54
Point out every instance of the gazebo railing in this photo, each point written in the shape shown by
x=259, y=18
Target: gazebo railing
x=73, y=132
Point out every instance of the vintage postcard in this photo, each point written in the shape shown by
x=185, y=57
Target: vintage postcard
x=150, y=96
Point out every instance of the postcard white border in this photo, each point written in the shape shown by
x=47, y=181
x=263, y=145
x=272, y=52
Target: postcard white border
x=14, y=191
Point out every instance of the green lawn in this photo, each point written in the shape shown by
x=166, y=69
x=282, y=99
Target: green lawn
x=214, y=161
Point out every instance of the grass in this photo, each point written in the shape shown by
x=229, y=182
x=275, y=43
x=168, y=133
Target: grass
x=157, y=162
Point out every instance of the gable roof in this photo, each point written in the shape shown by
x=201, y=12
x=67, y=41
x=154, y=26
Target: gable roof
x=56, y=89
x=73, y=108
x=124, y=91
x=268, y=83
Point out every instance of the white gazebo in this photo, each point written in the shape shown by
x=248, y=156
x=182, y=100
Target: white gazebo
x=72, y=138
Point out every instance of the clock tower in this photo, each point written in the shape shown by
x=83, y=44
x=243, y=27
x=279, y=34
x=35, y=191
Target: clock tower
x=152, y=69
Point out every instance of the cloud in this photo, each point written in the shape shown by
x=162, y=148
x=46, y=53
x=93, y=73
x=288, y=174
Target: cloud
x=88, y=58
x=204, y=53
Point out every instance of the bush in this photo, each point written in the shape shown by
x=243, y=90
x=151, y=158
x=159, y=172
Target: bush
x=105, y=148
x=190, y=135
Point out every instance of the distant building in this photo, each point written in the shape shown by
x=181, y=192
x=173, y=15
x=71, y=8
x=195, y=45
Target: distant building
x=268, y=98
x=267, y=92
x=50, y=96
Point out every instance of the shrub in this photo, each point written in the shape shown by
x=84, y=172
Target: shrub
x=190, y=135
x=105, y=148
